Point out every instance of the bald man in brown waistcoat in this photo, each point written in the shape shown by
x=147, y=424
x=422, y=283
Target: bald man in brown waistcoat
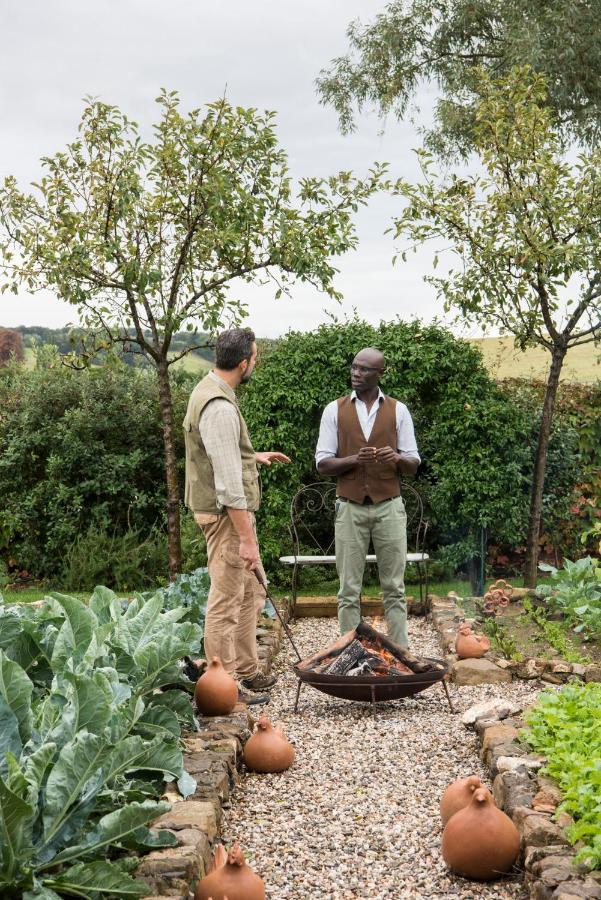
x=366, y=440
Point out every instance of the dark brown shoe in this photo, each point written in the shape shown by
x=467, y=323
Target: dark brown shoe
x=252, y=699
x=258, y=682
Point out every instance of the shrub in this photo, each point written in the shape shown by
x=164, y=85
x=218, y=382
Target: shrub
x=125, y=562
x=81, y=456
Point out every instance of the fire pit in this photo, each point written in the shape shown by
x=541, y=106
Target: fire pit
x=367, y=666
x=363, y=665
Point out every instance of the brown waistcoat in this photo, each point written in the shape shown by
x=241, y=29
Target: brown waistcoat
x=376, y=480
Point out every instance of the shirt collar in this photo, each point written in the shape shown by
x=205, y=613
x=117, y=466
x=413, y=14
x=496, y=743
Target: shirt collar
x=229, y=391
x=380, y=395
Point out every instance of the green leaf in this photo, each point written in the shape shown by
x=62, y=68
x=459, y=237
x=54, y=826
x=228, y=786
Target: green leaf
x=90, y=702
x=40, y=892
x=134, y=631
x=78, y=763
x=114, y=828
x=76, y=633
x=10, y=739
x=105, y=605
x=186, y=785
x=134, y=753
x=88, y=879
x=16, y=817
x=158, y=720
x=16, y=688
x=178, y=701
x=36, y=766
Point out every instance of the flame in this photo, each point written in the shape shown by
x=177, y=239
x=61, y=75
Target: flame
x=375, y=647
x=378, y=623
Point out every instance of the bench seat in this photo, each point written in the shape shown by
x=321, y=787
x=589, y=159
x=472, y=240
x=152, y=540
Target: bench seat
x=312, y=560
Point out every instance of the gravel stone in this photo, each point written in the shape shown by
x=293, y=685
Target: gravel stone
x=357, y=815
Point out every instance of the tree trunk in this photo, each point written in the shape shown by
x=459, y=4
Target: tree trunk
x=174, y=545
x=538, y=483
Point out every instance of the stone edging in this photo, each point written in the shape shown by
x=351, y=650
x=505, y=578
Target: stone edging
x=213, y=756
x=492, y=668
x=530, y=799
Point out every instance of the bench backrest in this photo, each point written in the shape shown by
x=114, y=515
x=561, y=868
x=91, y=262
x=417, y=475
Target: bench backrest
x=312, y=518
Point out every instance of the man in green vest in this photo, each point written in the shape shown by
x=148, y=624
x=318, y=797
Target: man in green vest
x=223, y=491
x=366, y=440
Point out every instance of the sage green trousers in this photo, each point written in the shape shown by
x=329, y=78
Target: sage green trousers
x=385, y=524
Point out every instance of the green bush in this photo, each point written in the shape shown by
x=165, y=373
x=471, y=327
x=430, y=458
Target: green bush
x=477, y=446
x=125, y=562
x=81, y=456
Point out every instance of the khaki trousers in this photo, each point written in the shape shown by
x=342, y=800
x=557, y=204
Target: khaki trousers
x=235, y=599
x=386, y=525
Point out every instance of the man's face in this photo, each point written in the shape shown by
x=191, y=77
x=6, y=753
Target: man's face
x=250, y=365
x=366, y=371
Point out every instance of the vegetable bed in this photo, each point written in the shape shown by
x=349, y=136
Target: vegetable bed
x=92, y=702
x=563, y=620
x=566, y=727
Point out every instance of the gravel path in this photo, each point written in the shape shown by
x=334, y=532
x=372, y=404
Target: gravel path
x=357, y=814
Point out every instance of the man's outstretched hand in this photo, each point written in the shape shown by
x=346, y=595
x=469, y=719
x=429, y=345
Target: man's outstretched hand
x=271, y=456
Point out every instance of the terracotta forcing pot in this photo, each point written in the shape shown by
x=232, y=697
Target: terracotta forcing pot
x=457, y=795
x=268, y=750
x=469, y=645
x=480, y=841
x=216, y=692
x=230, y=878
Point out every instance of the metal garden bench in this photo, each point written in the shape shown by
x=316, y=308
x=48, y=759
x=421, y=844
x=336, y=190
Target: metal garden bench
x=311, y=528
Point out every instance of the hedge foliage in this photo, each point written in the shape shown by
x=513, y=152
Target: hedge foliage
x=81, y=472
x=477, y=444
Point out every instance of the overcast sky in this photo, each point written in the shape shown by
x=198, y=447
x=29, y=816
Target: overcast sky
x=265, y=54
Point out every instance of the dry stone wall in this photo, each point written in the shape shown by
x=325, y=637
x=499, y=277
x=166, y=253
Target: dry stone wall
x=213, y=757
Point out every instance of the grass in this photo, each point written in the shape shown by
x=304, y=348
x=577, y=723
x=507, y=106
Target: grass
x=329, y=588
x=326, y=588
x=321, y=589
x=582, y=364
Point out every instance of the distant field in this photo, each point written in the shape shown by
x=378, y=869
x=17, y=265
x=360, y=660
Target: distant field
x=193, y=363
x=502, y=360
x=190, y=362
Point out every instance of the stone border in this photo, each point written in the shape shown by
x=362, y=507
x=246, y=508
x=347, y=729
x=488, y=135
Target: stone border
x=530, y=799
x=493, y=668
x=213, y=756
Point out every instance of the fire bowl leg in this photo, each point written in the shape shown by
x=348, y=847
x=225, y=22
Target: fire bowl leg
x=298, y=690
x=446, y=690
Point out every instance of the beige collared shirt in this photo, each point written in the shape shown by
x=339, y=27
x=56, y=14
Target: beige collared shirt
x=219, y=428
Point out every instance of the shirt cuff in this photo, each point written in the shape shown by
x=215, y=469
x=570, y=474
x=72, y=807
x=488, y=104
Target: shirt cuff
x=411, y=454
x=323, y=454
x=234, y=501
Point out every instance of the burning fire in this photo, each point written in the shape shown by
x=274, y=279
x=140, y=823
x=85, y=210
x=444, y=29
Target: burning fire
x=390, y=660
x=390, y=664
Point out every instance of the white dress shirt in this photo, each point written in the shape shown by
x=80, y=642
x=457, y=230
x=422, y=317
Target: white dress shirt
x=327, y=444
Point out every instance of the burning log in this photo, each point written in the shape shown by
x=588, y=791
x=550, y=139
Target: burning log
x=363, y=657
x=346, y=660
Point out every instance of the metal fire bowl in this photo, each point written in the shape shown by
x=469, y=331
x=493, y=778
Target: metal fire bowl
x=370, y=688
